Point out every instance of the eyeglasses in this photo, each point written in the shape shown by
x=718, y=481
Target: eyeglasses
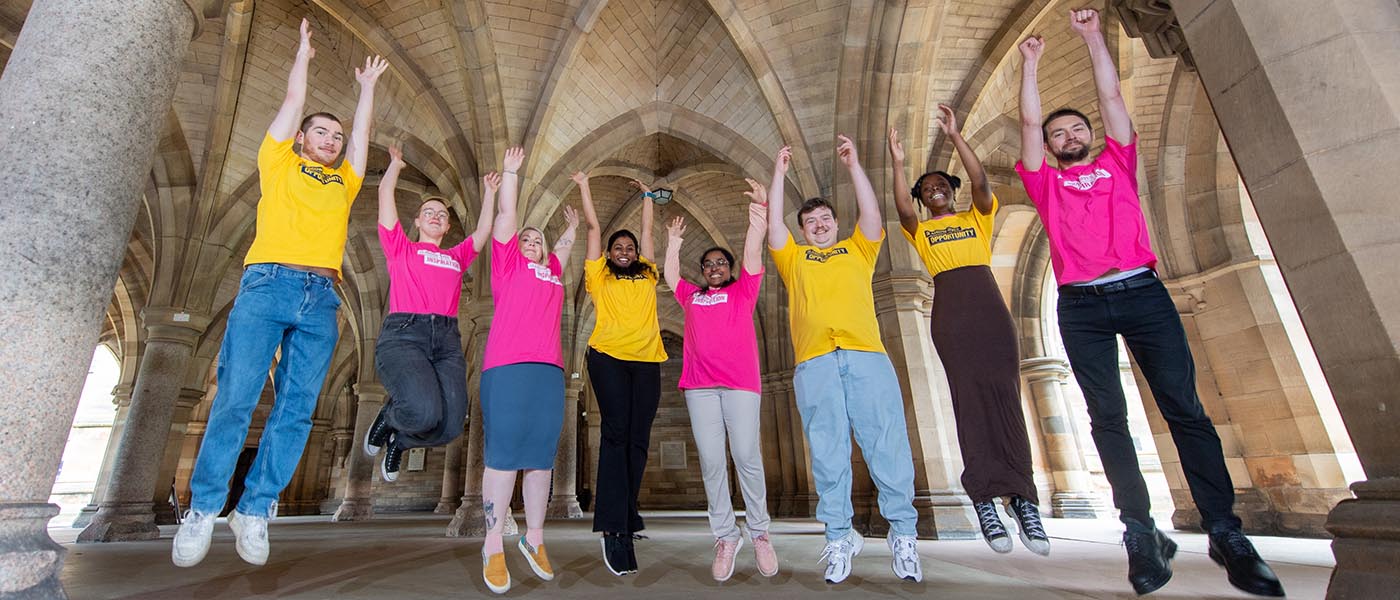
x=430, y=213
x=715, y=264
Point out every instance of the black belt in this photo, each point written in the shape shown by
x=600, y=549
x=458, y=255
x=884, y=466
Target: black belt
x=1142, y=279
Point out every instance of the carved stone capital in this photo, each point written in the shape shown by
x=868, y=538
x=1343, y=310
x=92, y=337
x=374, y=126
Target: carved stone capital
x=1155, y=24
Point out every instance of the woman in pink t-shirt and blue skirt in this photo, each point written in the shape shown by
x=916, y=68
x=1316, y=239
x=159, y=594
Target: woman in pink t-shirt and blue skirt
x=522, y=381
x=721, y=382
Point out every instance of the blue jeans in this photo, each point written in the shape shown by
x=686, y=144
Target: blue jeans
x=276, y=307
x=845, y=390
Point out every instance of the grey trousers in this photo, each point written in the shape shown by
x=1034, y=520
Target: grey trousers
x=717, y=413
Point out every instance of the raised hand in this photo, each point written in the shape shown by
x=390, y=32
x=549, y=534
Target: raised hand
x=491, y=182
x=846, y=150
x=1031, y=48
x=646, y=189
x=949, y=122
x=1084, y=21
x=579, y=178
x=783, y=161
x=514, y=158
x=896, y=148
x=369, y=74
x=570, y=216
x=758, y=215
x=675, y=230
x=757, y=193
x=305, y=46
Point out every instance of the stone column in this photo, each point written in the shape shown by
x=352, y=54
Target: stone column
x=121, y=396
x=78, y=66
x=1311, y=111
x=308, y=500
x=468, y=520
x=451, y=479
x=563, y=504
x=126, y=511
x=1074, y=496
x=170, y=460
x=358, y=504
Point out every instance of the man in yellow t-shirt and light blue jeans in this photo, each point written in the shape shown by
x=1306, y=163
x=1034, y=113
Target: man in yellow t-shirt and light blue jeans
x=843, y=379
x=286, y=299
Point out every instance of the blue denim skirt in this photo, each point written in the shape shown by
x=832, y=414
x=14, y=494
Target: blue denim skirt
x=522, y=412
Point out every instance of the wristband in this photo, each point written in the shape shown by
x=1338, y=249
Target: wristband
x=649, y=195
x=510, y=172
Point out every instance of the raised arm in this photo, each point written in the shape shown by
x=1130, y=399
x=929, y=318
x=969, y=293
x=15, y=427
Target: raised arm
x=358, y=151
x=903, y=201
x=564, y=246
x=284, y=125
x=1032, y=137
x=675, y=233
x=758, y=227
x=593, y=248
x=388, y=208
x=647, y=246
x=489, y=184
x=976, y=175
x=868, y=218
x=1114, y=111
x=506, y=221
x=777, y=229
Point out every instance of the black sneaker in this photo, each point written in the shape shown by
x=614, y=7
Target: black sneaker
x=1246, y=570
x=628, y=542
x=992, y=528
x=1149, y=560
x=378, y=433
x=393, y=457
x=1032, y=531
x=615, y=553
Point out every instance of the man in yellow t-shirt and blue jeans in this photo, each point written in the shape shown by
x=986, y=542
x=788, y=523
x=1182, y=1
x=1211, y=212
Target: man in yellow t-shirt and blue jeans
x=286, y=300
x=843, y=379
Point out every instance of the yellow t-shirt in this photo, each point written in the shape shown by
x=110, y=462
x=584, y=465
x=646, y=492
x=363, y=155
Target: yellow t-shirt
x=958, y=240
x=830, y=302
x=304, y=210
x=626, y=327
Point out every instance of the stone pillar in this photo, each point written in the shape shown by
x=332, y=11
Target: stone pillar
x=308, y=499
x=1074, y=496
x=1311, y=111
x=451, y=479
x=358, y=504
x=121, y=396
x=563, y=503
x=60, y=85
x=126, y=511
x=468, y=520
x=170, y=460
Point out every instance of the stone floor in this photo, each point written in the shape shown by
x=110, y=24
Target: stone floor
x=403, y=557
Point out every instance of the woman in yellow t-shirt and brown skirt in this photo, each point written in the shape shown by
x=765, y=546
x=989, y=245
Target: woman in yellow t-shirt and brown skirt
x=975, y=338
x=624, y=366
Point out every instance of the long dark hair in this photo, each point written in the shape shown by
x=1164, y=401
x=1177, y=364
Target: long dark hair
x=632, y=270
x=727, y=256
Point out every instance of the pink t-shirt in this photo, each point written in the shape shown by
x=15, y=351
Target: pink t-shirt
x=720, y=348
x=1092, y=214
x=424, y=278
x=529, y=301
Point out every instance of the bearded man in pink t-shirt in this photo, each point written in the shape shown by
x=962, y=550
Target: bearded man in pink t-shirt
x=1102, y=256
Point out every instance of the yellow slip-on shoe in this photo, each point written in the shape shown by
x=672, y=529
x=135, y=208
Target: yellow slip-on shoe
x=493, y=570
x=538, y=559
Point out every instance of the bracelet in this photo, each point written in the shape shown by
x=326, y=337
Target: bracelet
x=649, y=195
x=510, y=172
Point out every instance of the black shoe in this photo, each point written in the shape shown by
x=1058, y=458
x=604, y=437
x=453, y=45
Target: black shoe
x=1032, y=531
x=992, y=528
x=1232, y=550
x=1149, y=560
x=628, y=541
x=393, y=457
x=615, y=553
x=378, y=433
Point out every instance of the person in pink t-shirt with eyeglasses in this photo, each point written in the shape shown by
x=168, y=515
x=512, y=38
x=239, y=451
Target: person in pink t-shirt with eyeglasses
x=419, y=351
x=1103, y=260
x=720, y=378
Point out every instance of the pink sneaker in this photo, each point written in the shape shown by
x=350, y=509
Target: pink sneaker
x=724, y=558
x=764, y=555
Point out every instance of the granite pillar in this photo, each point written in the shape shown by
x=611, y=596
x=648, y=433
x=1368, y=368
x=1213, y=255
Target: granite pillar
x=1074, y=496
x=451, y=479
x=563, y=502
x=121, y=396
x=360, y=470
x=165, y=512
x=468, y=520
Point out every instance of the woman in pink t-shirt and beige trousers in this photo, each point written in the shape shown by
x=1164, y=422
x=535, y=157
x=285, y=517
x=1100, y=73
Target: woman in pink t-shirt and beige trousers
x=720, y=378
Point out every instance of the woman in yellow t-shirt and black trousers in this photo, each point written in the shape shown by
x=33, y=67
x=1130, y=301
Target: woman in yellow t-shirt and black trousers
x=624, y=365
x=975, y=338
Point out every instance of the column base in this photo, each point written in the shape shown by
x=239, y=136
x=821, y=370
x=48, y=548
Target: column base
x=165, y=513
x=564, y=507
x=468, y=521
x=445, y=506
x=1367, y=542
x=946, y=515
x=31, y=558
x=1077, y=505
x=121, y=522
x=353, y=510
x=84, y=516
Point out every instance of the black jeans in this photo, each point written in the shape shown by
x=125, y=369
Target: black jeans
x=419, y=359
x=1141, y=310
x=628, y=392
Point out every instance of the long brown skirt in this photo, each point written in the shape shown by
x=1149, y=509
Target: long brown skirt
x=976, y=339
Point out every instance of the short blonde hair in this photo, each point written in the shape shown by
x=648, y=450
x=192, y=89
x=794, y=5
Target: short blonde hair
x=544, y=243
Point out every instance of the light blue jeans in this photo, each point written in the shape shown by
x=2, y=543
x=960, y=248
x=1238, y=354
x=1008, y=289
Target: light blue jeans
x=845, y=390
x=276, y=307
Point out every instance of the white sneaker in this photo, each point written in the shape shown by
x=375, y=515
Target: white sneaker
x=192, y=541
x=838, y=554
x=250, y=537
x=905, y=549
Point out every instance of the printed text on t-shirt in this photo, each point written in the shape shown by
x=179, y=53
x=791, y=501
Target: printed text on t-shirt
x=544, y=274
x=319, y=174
x=821, y=257
x=949, y=234
x=1086, y=181
x=438, y=259
x=703, y=299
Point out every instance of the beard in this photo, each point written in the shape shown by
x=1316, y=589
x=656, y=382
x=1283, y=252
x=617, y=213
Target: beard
x=1072, y=156
x=633, y=270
